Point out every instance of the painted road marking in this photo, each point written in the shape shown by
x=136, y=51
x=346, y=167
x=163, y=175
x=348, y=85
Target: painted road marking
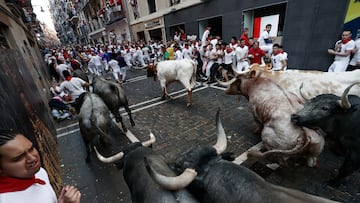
x=238, y=160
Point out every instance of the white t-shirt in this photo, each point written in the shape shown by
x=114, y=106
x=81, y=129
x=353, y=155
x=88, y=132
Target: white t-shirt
x=228, y=57
x=220, y=54
x=264, y=35
x=178, y=55
x=74, y=87
x=60, y=68
x=276, y=61
x=186, y=53
x=205, y=36
x=36, y=193
x=356, y=57
x=241, y=52
x=350, y=45
x=114, y=65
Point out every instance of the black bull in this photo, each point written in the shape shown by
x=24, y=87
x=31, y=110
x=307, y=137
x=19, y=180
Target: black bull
x=339, y=119
x=220, y=181
x=142, y=187
x=114, y=97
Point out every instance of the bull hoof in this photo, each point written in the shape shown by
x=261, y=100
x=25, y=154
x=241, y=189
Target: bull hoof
x=188, y=105
x=132, y=123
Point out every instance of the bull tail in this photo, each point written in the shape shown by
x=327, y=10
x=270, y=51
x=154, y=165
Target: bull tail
x=300, y=146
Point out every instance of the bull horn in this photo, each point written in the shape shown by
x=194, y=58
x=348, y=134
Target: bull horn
x=150, y=141
x=171, y=183
x=221, y=142
x=226, y=84
x=301, y=93
x=111, y=159
x=120, y=155
x=345, y=104
x=241, y=72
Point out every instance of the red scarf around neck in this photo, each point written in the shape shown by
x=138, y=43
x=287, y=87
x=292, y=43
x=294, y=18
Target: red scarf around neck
x=346, y=41
x=68, y=78
x=8, y=184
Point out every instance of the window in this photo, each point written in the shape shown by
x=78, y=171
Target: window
x=152, y=6
x=256, y=20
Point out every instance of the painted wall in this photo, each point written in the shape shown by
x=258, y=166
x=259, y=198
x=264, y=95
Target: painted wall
x=310, y=27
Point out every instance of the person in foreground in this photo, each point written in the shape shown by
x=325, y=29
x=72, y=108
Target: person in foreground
x=22, y=179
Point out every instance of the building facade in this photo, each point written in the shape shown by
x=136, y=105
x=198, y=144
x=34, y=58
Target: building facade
x=24, y=83
x=306, y=29
x=146, y=18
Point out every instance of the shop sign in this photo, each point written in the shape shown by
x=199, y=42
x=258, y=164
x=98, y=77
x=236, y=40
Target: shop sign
x=152, y=24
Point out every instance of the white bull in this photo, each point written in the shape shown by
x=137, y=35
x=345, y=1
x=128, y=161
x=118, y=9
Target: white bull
x=313, y=82
x=183, y=71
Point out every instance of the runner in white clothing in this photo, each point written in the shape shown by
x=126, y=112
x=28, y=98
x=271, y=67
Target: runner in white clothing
x=342, y=52
x=241, y=52
x=355, y=61
x=265, y=41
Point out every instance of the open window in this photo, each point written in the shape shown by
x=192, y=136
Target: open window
x=256, y=20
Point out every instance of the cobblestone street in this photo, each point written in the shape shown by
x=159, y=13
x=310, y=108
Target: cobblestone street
x=177, y=128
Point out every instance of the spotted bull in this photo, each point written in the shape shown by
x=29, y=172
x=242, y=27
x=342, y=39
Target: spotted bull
x=213, y=179
x=272, y=107
x=142, y=187
x=339, y=118
x=167, y=72
x=114, y=97
x=94, y=119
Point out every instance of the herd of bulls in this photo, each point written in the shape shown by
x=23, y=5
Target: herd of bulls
x=296, y=110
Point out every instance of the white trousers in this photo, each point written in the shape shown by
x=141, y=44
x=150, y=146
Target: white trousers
x=338, y=66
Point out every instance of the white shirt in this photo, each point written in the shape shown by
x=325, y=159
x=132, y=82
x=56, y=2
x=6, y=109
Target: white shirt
x=356, y=57
x=241, y=53
x=205, y=36
x=60, y=68
x=96, y=60
x=220, y=54
x=36, y=193
x=228, y=57
x=276, y=61
x=264, y=35
x=350, y=45
x=114, y=65
x=186, y=53
x=178, y=55
x=74, y=87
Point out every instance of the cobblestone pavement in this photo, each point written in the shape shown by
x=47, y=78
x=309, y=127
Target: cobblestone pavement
x=177, y=128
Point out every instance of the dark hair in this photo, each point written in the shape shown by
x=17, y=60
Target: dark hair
x=276, y=45
x=6, y=136
x=268, y=25
x=66, y=73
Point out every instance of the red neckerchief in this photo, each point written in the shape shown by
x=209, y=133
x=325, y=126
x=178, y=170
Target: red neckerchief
x=346, y=41
x=229, y=50
x=68, y=78
x=8, y=184
x=278, y=52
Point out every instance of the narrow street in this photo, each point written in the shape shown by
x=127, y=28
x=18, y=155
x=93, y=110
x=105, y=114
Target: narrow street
x=176, y=129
